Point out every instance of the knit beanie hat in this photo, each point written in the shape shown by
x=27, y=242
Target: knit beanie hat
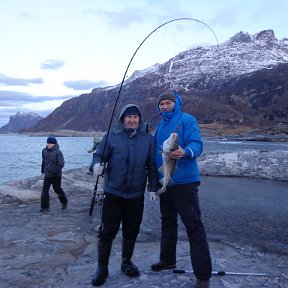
x=133, y=110
x=166, y=96
x=51, y=139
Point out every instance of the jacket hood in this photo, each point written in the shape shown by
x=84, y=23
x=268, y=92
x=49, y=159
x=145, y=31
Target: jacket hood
x=119, y=127
x=126, y=107
x=176, y=109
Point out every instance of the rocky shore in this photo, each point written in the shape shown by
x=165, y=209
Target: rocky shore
x=58, y=249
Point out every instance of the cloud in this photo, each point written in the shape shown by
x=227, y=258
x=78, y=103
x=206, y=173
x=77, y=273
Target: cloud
x=84, y=84
x=124, y=18
x=12, y=81
x=12, y=102
x=16, y=96
x=52, y=64
x=226, y=17
x=27, y=15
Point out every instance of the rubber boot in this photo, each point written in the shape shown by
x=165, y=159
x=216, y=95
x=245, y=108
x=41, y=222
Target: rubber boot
x=104, y=250
x=127, y=266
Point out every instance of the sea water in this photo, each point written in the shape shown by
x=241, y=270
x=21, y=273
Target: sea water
x=20, y=155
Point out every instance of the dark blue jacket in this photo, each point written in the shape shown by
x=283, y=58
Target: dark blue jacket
x=130, y=159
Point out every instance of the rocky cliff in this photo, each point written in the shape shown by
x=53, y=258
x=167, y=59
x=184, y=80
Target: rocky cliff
x=20, y=121
x=241, y=81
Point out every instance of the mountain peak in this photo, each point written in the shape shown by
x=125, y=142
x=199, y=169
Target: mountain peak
x=20, y=121
x=266, y=36
x=243, y=80
x=240, y=37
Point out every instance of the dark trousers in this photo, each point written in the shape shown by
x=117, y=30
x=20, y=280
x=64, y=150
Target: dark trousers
x=183, y=200
x=56, y=184
x=117, y=210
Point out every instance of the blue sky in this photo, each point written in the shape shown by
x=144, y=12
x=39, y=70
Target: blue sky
x=57, y=49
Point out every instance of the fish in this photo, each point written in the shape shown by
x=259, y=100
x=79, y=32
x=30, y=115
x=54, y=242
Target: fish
x=169, y=164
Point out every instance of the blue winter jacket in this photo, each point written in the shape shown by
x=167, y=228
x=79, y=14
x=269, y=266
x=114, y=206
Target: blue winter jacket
x=189, y=139
x=130, y=159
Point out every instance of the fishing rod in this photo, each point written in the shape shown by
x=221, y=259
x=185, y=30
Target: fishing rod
x=98, y=197
x=222, y=273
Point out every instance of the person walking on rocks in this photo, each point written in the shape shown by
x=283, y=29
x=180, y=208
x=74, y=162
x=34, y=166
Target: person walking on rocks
x=51, y=167
x=181, y=195
x=96, y=141
x=129, y=153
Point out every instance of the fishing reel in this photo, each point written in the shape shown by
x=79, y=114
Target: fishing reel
x=99, y=197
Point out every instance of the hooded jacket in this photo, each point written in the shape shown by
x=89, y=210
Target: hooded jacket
x=189, y=139
x=130, y=158
x=52, y=161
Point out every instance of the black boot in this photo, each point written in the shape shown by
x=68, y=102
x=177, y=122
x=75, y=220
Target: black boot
x=104, y=249
x=127, y=266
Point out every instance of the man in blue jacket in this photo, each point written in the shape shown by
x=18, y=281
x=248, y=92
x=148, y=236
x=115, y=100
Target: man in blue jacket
x=181, y=196
x=129, y=152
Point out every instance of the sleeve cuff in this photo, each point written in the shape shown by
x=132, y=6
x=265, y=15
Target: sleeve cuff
x=188, y=152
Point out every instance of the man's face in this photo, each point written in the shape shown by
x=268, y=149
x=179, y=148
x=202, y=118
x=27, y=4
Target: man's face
x=166, y=105
x=131, y=121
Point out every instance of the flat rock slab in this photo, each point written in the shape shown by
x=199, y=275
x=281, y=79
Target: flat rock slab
x=58, y=249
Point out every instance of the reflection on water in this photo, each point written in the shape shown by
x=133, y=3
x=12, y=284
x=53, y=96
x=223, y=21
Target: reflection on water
x=21, y=155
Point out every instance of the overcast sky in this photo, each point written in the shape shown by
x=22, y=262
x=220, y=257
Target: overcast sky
x=57, y=49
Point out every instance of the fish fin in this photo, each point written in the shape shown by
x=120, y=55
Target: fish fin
x=161, y=169
x=160, y=191
x=175, y=168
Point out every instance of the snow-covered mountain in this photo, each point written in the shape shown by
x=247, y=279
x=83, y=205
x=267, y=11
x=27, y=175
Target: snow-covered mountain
x=20, y=121
x=243, y=80
x=241, y=54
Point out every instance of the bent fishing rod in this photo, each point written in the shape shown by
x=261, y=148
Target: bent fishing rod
x=98, y=197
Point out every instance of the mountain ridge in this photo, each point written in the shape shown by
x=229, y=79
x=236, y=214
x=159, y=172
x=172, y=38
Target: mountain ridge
x=240, y=81
x=20, y=121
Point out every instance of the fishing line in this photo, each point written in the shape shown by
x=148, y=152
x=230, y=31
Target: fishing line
x=120, y=89
x=124, y=76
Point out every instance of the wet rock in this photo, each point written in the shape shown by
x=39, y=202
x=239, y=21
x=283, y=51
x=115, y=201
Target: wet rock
x=271, y=165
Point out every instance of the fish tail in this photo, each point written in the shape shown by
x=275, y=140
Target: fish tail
x=161, y=190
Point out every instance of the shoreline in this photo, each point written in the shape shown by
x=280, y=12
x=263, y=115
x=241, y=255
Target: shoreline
x=276, y=133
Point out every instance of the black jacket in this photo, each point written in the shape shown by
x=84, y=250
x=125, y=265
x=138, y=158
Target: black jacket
x=52, y=161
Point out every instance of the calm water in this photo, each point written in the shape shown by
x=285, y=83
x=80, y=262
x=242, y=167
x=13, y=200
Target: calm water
x=20, y=156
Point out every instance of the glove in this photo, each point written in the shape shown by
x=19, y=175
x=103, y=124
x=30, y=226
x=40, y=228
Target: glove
x=152, y=196
x=98, y=169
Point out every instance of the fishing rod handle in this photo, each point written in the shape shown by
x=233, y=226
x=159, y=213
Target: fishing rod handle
x=222, y=273
x=182, y=271
x=94, y=196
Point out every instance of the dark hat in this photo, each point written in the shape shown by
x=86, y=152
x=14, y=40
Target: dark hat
x=51, y=139
x=132, y=110
x=166, y=96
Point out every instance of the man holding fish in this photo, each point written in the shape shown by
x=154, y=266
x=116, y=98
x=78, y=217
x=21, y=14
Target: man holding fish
x=178, y=144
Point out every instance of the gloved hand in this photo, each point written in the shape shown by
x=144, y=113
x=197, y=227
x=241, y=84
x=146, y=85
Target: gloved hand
x=98, y=169
x=152, y=196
